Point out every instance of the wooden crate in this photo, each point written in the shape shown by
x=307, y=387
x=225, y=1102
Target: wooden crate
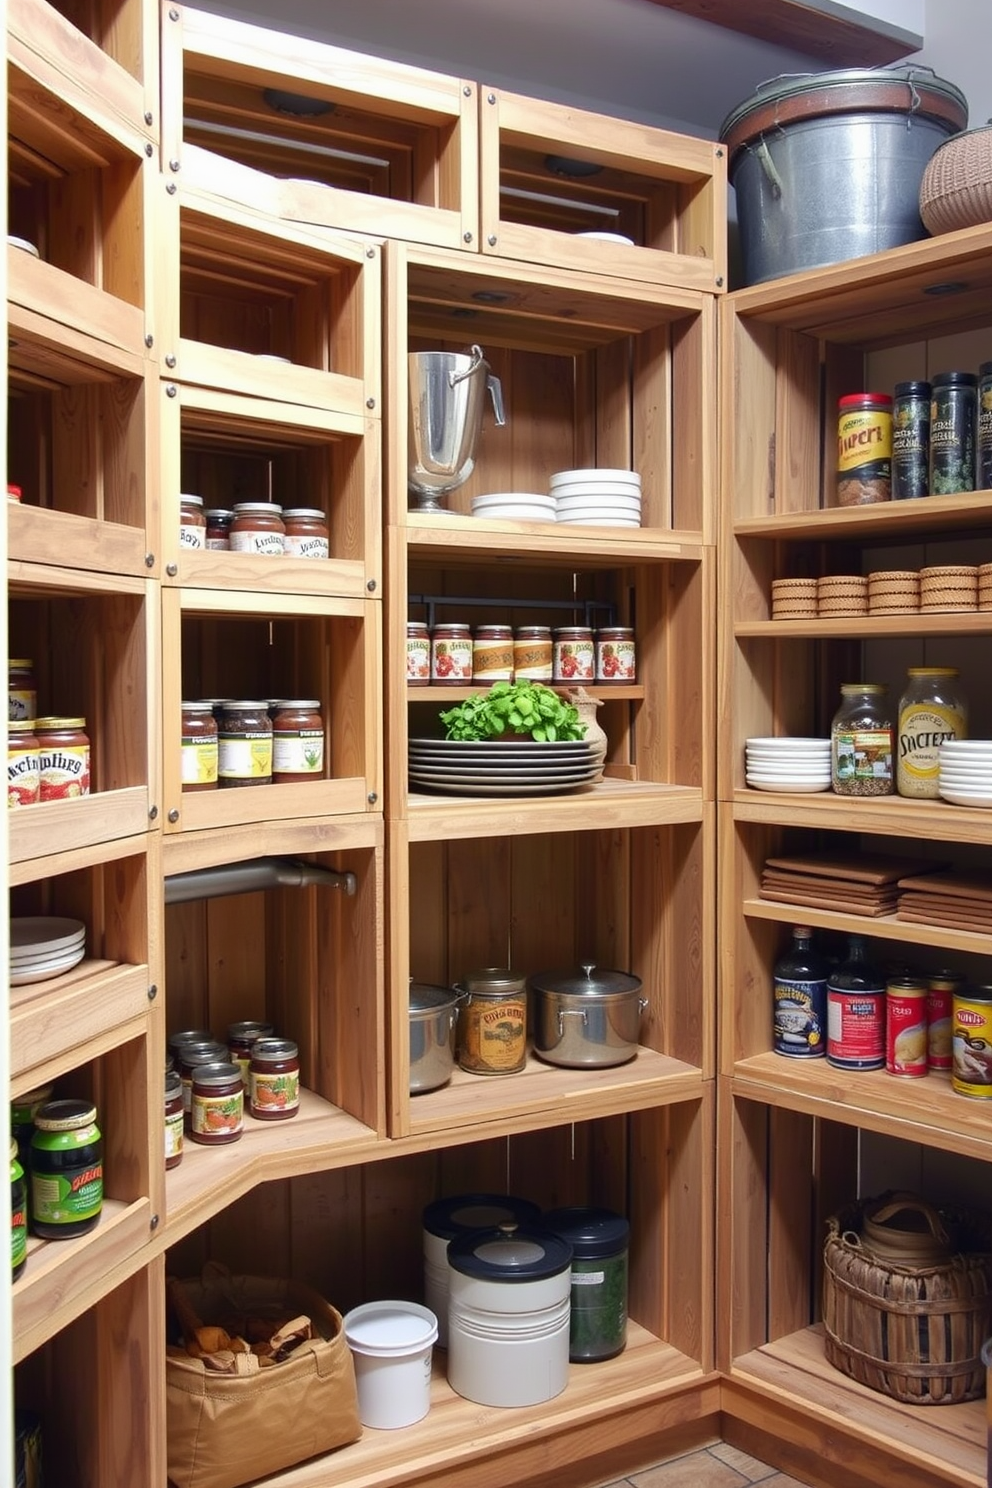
x=393, y=155
x=551, y=173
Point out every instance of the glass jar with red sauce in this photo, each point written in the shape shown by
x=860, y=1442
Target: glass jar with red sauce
x=307, y=533
x=64, y=758
x=297, y=741
x=217, y=1114
x=274, y=1079
x=258, y=527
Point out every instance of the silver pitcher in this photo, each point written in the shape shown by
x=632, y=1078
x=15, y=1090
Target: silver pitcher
x=447, y=392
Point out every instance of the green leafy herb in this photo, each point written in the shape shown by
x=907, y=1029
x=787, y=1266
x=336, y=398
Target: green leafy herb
x=514, y=708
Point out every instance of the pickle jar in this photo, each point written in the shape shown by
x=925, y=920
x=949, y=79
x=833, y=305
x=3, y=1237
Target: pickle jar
x=199, y=747
x=861, y=741
x=297, y=741
x=173, y=1119
x=274, y=1079
x=217, y=1105
x=931, y=711
x=244, y=745
x=66, y=1170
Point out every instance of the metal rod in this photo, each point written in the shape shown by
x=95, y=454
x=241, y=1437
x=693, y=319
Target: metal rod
x=256, y=873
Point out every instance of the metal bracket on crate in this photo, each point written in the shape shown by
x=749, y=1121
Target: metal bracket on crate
x=254, y=874
x=588, y=608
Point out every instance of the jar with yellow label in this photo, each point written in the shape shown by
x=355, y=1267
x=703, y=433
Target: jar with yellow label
x=864, y=449
x=492, y=654
x=274, y=1079
x=199, y=747
x=22, y=690
x=218, y=1104
x=244, y=745
x=931, y=711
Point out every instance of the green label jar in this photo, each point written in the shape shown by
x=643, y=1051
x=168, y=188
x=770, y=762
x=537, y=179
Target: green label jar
x=18, y=1215
x=66, y=1170
x=598, y=1315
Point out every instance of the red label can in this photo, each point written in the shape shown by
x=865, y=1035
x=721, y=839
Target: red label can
x=906, y=1027
x=941, y=987
x=855, y=1028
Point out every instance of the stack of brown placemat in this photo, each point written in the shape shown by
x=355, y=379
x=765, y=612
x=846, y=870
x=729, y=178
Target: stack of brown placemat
x=859, y=884
x=960, y=901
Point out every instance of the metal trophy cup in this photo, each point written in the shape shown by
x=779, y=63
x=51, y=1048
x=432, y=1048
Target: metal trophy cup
x=447, y=394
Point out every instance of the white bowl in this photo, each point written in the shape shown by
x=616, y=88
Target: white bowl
x=577, y=503
x=595, y=491
x=596, y=473
x=789, y=787
x=608, y=237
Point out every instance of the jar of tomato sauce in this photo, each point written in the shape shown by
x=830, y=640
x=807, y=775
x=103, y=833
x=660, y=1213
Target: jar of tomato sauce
x=64, y=758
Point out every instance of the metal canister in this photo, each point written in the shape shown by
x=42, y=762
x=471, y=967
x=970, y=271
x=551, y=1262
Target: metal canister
x=492, y=1021
x=864, y=449
x=941, y=987
x=953, y=417
x=972, y=1041
x=911, y=441
x=984, y=451
x=906, y=1027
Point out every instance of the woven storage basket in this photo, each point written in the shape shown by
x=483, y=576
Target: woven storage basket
x=956, y=190
x=914, y=1333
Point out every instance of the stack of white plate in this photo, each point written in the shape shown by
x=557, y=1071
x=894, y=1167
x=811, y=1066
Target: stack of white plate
x=964, y=772
x=602, y=498
x=515, y=506
x=42, y=946
x=519, y=766
x=791, y=765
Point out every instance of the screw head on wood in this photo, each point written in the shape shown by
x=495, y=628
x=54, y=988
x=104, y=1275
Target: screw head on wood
x=152, y=992
x=173, y=815
x=467, y=91
x=149, y=117
x=149, y=151
x=149, y=341
x=370, y=253
x=369, y=402
x=170, y=359
x=171, y=569
x=491, y=98
x=371, y=586
x=153, y=1222
x=152, y=813
x=171, y=390
x=173, y=165
x=173, y=15
x=372, y=798
x=467, y=237
x=491, y=240
x=170, y=187
x=149, y=560
x=719, y=281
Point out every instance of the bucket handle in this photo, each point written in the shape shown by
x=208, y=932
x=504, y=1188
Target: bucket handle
x=454, y=378
x=768, y=166
x=496, y=393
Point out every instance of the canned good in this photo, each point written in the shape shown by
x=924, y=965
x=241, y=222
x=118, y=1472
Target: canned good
x=66, y=1170
x=218, y=1104
x=191, y=1054
x=953, y=419
x=984, y=450
x=241, y=1038
x=492, y=1022
x=911, y=441
x=856, y=1011
x=573, y=657
x=258, y=527
x=451, y=654
x=198, y=770
x=418, y=653
x=906, y=1027
x=307, y=532
x=616, y=656
x=861, y=742
x=971, y=1034
x=941, y=987
x=492, y=654
x=244, y=745
x=297, y=741
x=219, y=520
x=799, y=999
x=64, y=758
x=532, y=656
x=864, y=449
x=274, y=1079
x=22, y=689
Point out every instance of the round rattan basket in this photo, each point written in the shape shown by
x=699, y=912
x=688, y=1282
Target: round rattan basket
x=956, y=190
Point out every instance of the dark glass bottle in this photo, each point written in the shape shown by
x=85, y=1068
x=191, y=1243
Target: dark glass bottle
x=856, y=1010
x=800, y=999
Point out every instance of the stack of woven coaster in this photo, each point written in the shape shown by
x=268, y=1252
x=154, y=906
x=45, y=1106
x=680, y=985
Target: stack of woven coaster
x=842, y=594
x=951, y=587
x=793, y=599
x=985, y=586
x=893, y=591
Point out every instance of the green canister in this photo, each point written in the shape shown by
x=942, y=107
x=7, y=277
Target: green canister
x=18, y=1214
x=66, y=1170
x=598, y=1315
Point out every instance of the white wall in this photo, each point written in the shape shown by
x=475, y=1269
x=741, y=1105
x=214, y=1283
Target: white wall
x=958, y=47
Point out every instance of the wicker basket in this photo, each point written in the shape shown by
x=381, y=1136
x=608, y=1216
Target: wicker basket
x=956, y=190
x=914, y=1333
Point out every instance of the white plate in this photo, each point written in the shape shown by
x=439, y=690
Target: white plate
x=44, y=933
x=513, y=514
x=587, y=491
x=608, y=237
x=785, y=761
x=629, y=504
x=788, y=742
x=483, y=788
x=24, y=245
x=795, y=772
x=24, y=976
x=964, y=773
x=789, y=787
x=474, y=779
x=537, y=503
x=589, y=519
x=597, y=473
x=967, y=746
x=966, y=797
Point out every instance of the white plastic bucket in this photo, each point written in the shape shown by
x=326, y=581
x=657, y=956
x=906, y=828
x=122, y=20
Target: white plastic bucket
x=391, y=1343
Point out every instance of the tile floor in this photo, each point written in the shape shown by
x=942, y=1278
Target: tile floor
x=715, y=1465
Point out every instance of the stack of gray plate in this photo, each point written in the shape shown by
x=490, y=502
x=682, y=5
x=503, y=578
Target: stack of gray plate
x=502, y=767
x=42, y=946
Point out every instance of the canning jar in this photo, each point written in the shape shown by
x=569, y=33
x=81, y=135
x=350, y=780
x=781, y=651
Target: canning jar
x=953, y=419
x=307, y=534
x=199, y=747
x=219, y=520
x=616, y=657
x=492, y=654
x=532, y=656
x=492, y=1021
x=217, y=1104
x=192, y=522
x=173, y=1119
x=241, y=1038
x=191, y=1055
x=297, y=741
x=175, y=1041
x=22, y=690
x=931, y=711
x=244, y=745
x=911, y=441
x=64, y=758
x=861, y=742
x=573, y=658
x=23, y=763
x=864, y=449
x=258, y=527
x=18, y=1214
x=66, y=1170
x=274, y=1079
x=418, y=653
x=451, y=654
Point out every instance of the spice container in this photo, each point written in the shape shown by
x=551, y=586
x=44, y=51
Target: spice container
x=64, y=758
x=492, y=1022
x=66, y=1170
x=906, y=1027
x=244, y=745
x=241, y=1039
x=173, y=1119
x=18, y=1215
x=418, y=653
x=274, y=1079
x=199, y=747
x=911, y=441
x=573, y=658
x=192, y=522
x=23, y=763
x=218, y=1104
x=307, y=534
x=971, y=1039
x=599, y=1239
x=258, y=527
x=856, y=1011
x=532, y=655
x=451, y=654
x=983, y=452
x=953, y=420
x=799, y=999
x=297, y=742
x=616, y=656
x=931, y=711
x=492, y=654
x=861, y=742
x=22, y=690
x=864, y=449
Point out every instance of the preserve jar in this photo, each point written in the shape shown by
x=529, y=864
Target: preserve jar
x=219, y=519
x=861, y=742
x=22, y=690
x=218, y=1104
x=23, y=763
x=175, y=1041
x=931, y=711
x=418, y=653
x=451, y=654
x=492, y=1021
x=532, y=658
x=297, y=742
x=864, y=449
x=241, y=1038
x=274, y=1079
x=492, y=654
x=191, y=1055
x=307, y=534
x=244, y=745
x=573, y=658
x=18, y=1215
x=65, y=758
x=616, y=657
x=173, y=1119
x=66, y=1170
x=953, y=421
x=199, y=747
x=911, y=441
x=192, y=522
x=258, y=527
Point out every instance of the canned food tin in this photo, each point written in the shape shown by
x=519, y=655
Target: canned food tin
x=906, y=1027
x=984, y=453
x=855, y=1028
x=941, y=987
x=953, y=419
x=864, y=449
x=911, y=441
x=492, y=1022
x=573, y=657
x=972, y=1042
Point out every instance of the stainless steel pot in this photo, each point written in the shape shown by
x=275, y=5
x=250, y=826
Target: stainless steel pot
x=432, y=1035
x=586, y=1018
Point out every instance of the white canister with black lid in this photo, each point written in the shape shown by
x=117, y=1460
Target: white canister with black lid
x=462, y=1214
x=508, y=1315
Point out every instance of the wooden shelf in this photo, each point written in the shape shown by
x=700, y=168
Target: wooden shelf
x=868, y=627
x=607, y=804
x=442, y=693
x=285, y=836
x=62, y=1018
x=891, y=816
x=885, y=522
x=53, y=827
x=466, y=538
x=884, y=927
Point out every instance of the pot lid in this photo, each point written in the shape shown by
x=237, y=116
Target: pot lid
x=589, y=1231
x=461, y=1214
x=511, y=1253
x=425, y=998
x=587, y=980
x=905, y=89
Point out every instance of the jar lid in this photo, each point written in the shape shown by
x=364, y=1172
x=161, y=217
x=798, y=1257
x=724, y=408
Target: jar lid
x=304, y=511
x=242, y=706
x=510, y=1252
x=955, y=379
x=274, y=1050
x=912, y=390
x=191, y=500
x=219, y=514
x=50, y=725
x=567, y=631
x=249, y=1028
x=21, y=725
x=173, y=1083
x=858, y=687
x=589, y=1231
x=527, y=632
x=462, y=1214
x=425, y=998
x=978, y=992
x=20, y=664
x=493, y=980
x=307, y=703
x=257, y=506
x=207, y=1052
x=200, y=705
x=65, y=1115
x=585, y=981
x=851, y=400
x=28, y=1103
x=217, y=1072
x=189, y=1036
x=933, y=671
